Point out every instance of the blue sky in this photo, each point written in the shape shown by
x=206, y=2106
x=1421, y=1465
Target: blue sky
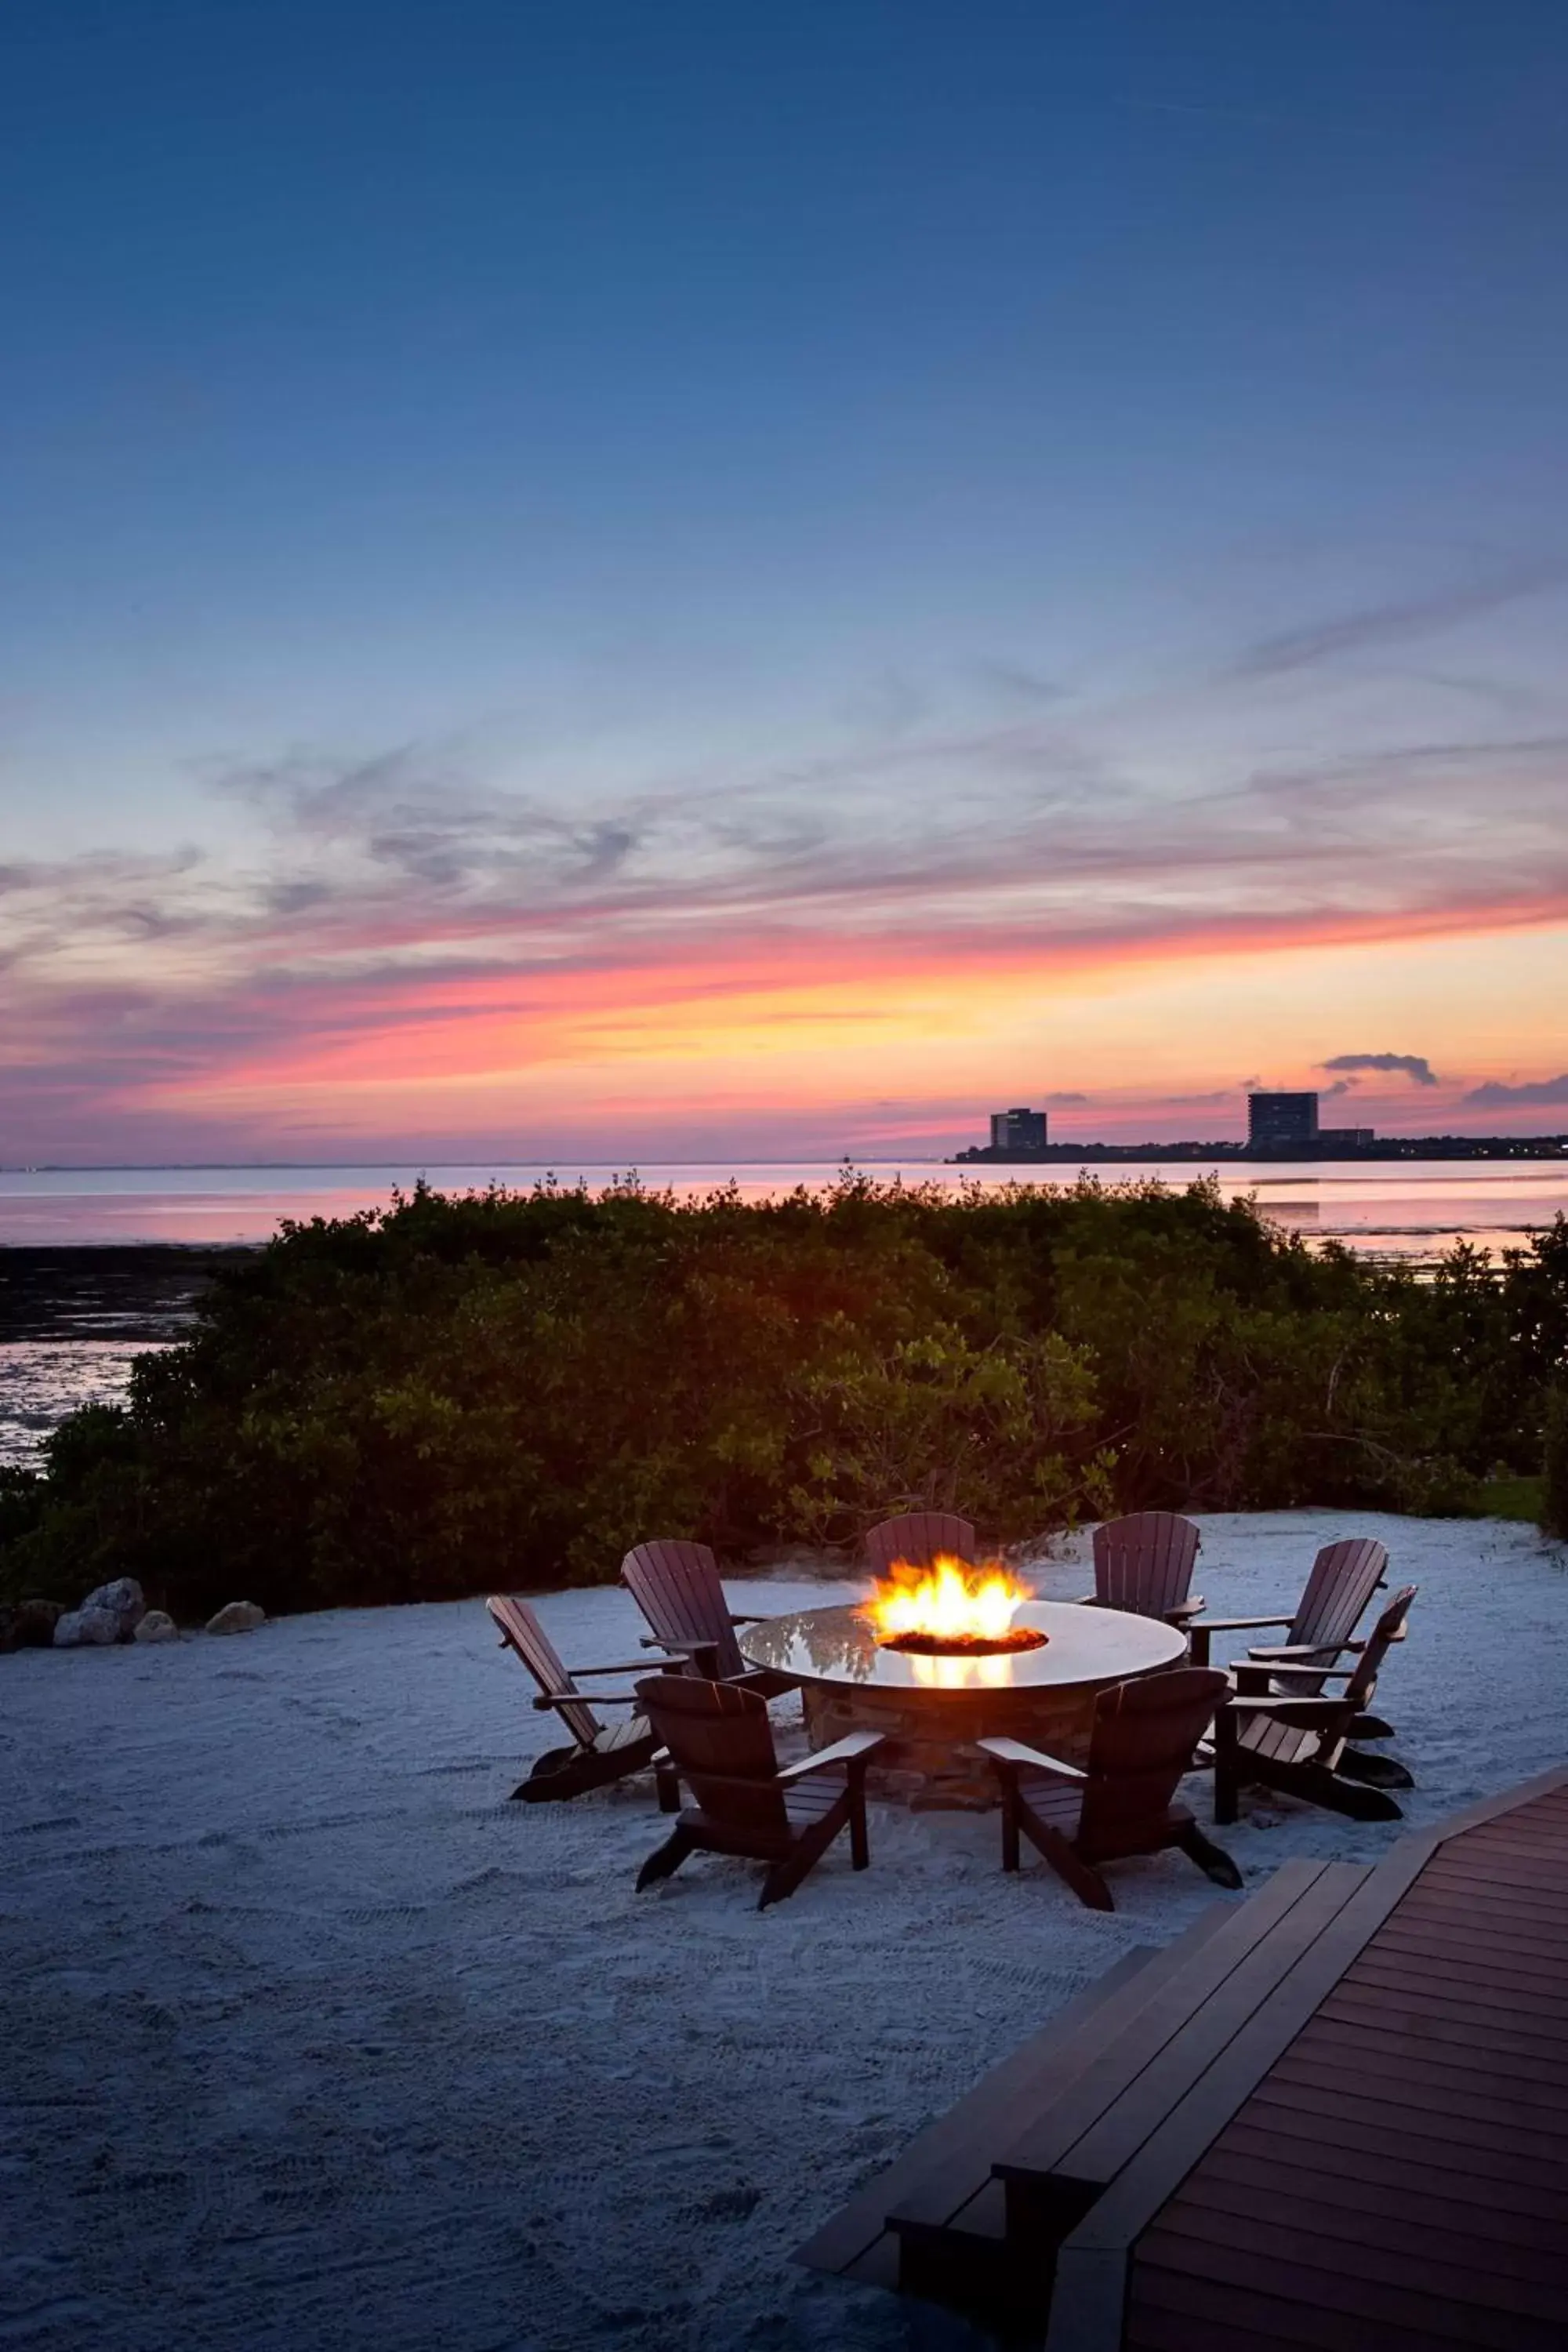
x=837, y=474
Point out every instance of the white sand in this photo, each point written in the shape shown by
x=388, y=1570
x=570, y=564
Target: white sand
x=312, y=2041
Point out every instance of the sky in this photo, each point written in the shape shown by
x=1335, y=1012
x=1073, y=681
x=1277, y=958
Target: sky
x=712, y=581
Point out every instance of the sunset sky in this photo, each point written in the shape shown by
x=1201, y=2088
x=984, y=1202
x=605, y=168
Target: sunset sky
x=690, y=580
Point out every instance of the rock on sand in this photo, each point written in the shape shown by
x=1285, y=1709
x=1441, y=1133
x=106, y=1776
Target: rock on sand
x=240, y=1617
x=81, y=1629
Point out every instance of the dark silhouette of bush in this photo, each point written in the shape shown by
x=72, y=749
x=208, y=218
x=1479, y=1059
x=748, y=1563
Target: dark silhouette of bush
x=505, y=1391
x=1554, y=1466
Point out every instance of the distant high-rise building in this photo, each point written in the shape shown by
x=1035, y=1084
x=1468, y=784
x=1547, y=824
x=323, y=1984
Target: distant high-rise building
x=1017, y=1131
x=1274, y=1122
x=1346, y=1138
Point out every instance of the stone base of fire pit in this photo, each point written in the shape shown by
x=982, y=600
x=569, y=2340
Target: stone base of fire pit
x=932, y=1710
x=931, y=1763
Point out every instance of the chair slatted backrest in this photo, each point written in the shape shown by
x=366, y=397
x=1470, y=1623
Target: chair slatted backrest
x=1345, y=1577
x=522, y=1631
x=1144, y=1563
x=723, y=1746
x=1289, y=1743
x=1361, y=1688
x=1144, y=1735
x=917, y=1538
x=677, y=1587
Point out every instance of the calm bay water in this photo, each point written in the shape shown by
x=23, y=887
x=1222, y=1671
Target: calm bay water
x=1410, y=1209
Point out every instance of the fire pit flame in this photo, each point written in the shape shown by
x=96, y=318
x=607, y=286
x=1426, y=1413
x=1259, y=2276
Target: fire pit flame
x=950, y=1610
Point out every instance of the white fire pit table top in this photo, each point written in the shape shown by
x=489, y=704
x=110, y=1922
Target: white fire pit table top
x=1084, y=1648
x=932, y=1709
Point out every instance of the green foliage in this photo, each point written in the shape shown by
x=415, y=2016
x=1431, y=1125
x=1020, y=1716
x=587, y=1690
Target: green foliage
x=1554, y=1466
x=1522, y=1499
x=508, y=1391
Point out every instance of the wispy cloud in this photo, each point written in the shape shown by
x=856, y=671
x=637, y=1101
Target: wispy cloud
x=1396, y=623
x=1533, y=1094
x=400, y=911
x=1414, y=1066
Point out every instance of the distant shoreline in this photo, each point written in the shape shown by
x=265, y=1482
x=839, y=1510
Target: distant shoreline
x=1414, y=1147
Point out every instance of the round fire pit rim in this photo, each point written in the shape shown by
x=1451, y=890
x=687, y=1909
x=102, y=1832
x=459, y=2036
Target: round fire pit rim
x=835, y=1647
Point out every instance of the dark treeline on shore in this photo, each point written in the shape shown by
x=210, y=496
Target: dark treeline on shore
x=509, y=1390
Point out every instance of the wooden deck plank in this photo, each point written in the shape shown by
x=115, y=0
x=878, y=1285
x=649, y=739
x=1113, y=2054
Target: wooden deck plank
x=1336, y=2278
x=1407, y=2089
x=1526, y=1954
x=1294, y=2135
x=1279, y=2321
x=1387, y=2045
x=1400, y=2174
x=1450, y=2024
x=1416, y=2262
x=1533, y=1908
x=1257, y=2165
x=1355, y=2108
x=1266, y=1943
x=1344, y=2128
x=1310, y=2321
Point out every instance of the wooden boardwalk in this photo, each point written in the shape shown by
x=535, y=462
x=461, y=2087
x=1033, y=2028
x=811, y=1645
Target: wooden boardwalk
x=1335, y=2116
x=1399, y=2177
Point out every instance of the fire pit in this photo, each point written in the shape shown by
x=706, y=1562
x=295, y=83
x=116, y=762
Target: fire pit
x=935, y=1682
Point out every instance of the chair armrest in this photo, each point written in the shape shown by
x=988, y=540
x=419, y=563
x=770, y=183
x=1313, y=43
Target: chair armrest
x=1308, y=1674
x=1192, y=1608
x=747, y=1617
x=1241, y=1624
x=627, y=1666
x=1307, y=1714
x=577, y=1698
x=1085, y=1599
x=1302, y=1653
x=854, y=1746
x=1013, y=1752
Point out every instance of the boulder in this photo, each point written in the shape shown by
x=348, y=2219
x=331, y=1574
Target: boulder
x=240, y=1617
x=33, y=1623
x=157, y=1626
x=124, y=1602
x=81, y=1629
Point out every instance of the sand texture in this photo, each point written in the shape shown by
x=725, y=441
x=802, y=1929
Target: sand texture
x=315, y=2043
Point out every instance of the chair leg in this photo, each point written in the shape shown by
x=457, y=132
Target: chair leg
x=667, y=1859
x=786, y=1877
x=1010, y=1853
x=1227, y=1771
x=1338, y=1795
x=859, y=1844
x=1211, y=1859
x=666, y=1780
x=1065, y=1859
x=555, y=1774
x=1374, y=1771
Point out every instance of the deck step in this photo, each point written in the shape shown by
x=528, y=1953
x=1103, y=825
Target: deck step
x=993, y=2248
x=957, y=2148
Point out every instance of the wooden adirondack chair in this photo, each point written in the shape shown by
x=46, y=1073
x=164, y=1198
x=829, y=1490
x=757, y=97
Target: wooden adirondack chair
x=1143, y=1564
x=722, y=1744
x=1290, y=1735
x=599, y=1752
x=918, y=1538
x=677, y=1587
x=1345, y=1577
x=1143, y=1737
